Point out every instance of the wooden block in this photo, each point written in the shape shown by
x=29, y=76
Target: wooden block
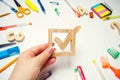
x=69, y=38
x=114, y=25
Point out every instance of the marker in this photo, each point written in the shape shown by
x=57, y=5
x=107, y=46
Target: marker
x=9, y=52
x=42, y=7
x=12, y=8
x=12, y=26
x=7, y=44
x=8, y=64
x=5, y=14
x=31, y=5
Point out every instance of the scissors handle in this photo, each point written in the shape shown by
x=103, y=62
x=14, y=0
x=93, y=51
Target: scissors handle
x=22, y=11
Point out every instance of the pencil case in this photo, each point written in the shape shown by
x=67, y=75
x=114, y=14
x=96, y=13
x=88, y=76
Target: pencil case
x=9, y=52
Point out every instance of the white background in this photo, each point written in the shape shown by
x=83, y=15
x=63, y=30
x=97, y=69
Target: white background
x=92, y=41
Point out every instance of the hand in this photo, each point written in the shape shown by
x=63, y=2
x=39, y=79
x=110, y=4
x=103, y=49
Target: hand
x=31, y=62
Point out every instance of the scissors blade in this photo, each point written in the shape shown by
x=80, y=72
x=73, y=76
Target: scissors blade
x=18, y=5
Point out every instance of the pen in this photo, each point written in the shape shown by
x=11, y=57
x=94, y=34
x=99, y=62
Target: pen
x=42, y=7
x=7, y=44
x=76, y=13
x=12, y=26
x=8, y=64
x=12, y=8
x=5, y=14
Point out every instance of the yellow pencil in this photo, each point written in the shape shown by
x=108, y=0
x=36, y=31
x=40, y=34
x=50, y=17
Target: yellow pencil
x=2, y=15
x=8, y=64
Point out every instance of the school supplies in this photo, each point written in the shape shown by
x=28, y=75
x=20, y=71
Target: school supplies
x=12, y=8
x=54, y=2
x=110, y=17
x=77, y=13
x=13, y=26
x=104, y=62
x=81, y=72
x=31, y=5
x=41, y=6
x=113, y=52
x=57, y=11
x=7, y=44
x=98, y=70
x=91, y=15
x=21, y=11
x=5, y=14
x=9, y=52
x=101, y=10
x=116, y=71
x=8, y=64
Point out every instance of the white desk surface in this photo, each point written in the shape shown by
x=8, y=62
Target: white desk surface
x=92, y=41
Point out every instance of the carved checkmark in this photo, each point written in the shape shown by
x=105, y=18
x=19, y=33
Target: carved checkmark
x=63, y=44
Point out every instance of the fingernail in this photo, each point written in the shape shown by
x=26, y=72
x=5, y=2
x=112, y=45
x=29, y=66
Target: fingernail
x=51, y=50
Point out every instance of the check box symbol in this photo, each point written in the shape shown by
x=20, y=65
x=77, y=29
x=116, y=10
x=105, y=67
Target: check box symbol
x=62, y=44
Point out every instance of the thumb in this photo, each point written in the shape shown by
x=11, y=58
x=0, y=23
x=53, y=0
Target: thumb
x=45, y=55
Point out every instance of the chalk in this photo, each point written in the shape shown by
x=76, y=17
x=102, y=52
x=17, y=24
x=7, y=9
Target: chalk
x=8, y=64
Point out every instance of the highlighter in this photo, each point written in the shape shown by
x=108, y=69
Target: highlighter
x=9, y=52
x=31, y=5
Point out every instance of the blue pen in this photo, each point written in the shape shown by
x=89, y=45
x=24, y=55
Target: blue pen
x=12, y=8
x=42, y=7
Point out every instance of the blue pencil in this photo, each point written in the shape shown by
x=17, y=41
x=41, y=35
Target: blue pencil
x=42, y=7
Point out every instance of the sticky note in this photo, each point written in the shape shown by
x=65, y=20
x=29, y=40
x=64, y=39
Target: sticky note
x=101, y=10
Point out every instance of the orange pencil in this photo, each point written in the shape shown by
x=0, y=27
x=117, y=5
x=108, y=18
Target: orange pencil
x=2, y=15
x=8, y=64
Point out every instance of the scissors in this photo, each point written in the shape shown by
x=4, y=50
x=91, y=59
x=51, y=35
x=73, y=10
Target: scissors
x=21, y=11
